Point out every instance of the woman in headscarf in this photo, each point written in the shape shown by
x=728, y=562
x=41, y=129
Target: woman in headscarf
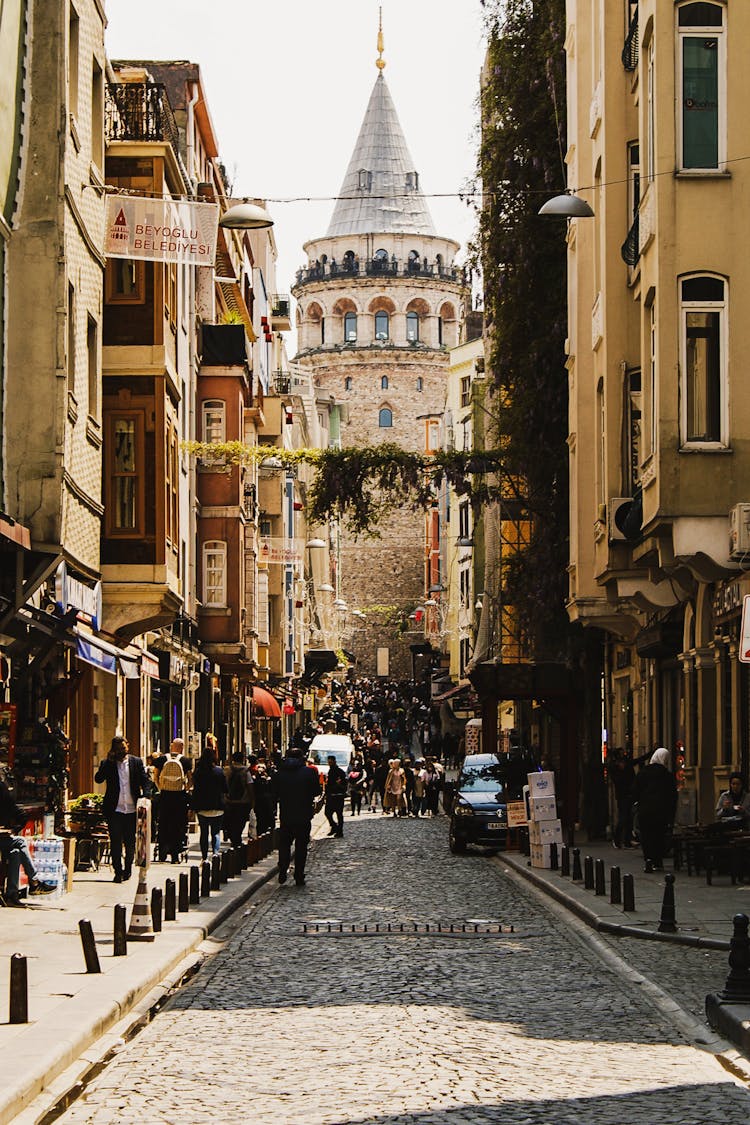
x=656, y=794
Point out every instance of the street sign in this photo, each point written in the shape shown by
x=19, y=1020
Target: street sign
x=744, y=653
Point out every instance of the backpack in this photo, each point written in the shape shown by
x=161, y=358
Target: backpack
x=172, y=776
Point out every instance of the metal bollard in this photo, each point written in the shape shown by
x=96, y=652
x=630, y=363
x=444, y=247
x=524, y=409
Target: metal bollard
x=615, y=887
x=668, y=921
x=737, y=987
x=628, y=893
x=19, y=990
x=588, y=873
x=183, y=901
x=157, y=904
x=242, y=857
x=577, y=873
x=565, y=860
x=553, y=863
x=195, y=893
x=206, y=879
x=231, y=863
x=224, y=867
x=120, y=944
x=215, y=874
x=170, y=901
x=89, y=946
x=599, y=877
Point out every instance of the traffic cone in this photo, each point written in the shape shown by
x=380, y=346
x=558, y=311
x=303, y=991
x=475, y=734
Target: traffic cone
x=141, y=923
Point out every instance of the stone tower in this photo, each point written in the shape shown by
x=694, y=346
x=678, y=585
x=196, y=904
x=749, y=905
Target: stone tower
x=379, y=305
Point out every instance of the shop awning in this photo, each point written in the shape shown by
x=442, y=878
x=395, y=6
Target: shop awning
x=106, y=657
x=265, y=705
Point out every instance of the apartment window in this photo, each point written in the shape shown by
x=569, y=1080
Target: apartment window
x=264, y=614
x=97, y=116
x=125, y=282
x=171, y=487
x=348, y=383
x=412, y=327
x=632, y=470
x=350, y=327
x=701, y=61
x=124, y=486
x=465, y=390
x=464, y=583
x=381, y=326
x=170, y=294
x=92, y=349
x=214, y=573
x=433, y=436
x=73, y=52
x=465, y=653
x=650, y=113
x=651, y=396
x=703, y=323
x=214, y=419
x=385, y=417
x=464, y=524
x=602, y=443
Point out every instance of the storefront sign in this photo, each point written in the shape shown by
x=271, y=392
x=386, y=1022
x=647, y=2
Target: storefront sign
x=150, y=666
x=744, y=653
x=516, y=814
x=276, y=550
x=729, y=597
x=308, y=701
x=161, y=230
x=71, y=593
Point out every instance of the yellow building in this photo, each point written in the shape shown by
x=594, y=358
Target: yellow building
x=659, y=409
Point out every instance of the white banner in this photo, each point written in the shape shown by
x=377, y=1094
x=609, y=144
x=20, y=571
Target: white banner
x=275, y=550
x=161, y=230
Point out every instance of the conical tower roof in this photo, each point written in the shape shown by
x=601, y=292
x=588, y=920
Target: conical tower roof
x=380, y=193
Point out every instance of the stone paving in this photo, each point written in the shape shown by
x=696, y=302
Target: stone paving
x=524, y=1028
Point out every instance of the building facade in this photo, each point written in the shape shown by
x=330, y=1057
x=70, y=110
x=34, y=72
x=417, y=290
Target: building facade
x=659, y=410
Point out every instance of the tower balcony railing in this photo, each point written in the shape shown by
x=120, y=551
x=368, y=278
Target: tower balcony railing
x=140, y=111
x=380, y=267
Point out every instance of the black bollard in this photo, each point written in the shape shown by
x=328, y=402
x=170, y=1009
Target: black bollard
x=170, y=901
x=195, y=894
x=553, y=863
x=89, y=946
x=615, y=888
x=231, y=863
x=183, y=901
x=565, y=860
x=577, y=873
x=668, y=922
x=224, y=867
x=737, y=987
x=588, y=873
x=215, y=874
x=19, y=990
x=206, y=879
x=241, y=857
x=599, y=878
x=628, y=893
x=120, y=944
x=157, y=903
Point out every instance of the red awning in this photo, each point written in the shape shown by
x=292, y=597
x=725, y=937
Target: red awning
x=265, y=704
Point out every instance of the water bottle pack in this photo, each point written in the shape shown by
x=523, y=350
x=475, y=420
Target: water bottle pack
x=48, y=860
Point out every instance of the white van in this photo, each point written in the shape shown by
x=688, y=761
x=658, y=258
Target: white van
x=340, y=745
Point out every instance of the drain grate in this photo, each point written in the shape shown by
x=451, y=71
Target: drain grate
x=406, y=929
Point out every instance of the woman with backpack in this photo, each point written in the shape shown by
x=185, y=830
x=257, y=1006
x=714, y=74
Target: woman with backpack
x=172, y=780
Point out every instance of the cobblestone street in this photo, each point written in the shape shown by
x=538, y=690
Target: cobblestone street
x=283, y=1026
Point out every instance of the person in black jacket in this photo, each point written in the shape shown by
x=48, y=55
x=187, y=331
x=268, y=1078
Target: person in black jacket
x=126, y=779
x=296, y=786
x=209, y=797
x=335, y=797
x=656, y=794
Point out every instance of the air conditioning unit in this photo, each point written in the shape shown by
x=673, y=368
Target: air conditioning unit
x=739, y=531
x=618, y=508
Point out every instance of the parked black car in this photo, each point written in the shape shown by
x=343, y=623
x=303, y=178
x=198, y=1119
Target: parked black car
x=479, y=812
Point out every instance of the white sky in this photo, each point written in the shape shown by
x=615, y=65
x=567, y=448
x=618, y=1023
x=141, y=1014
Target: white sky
x=288, y=82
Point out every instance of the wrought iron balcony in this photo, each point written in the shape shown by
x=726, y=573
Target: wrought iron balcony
x=282, y=383
x=630, y=248
x=281, y=306
x=139, y=111
x=630, y=50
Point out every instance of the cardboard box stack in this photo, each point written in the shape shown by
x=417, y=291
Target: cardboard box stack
x=544, y=827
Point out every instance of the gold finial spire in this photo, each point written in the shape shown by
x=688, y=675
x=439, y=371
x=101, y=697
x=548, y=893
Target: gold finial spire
x=380, y=61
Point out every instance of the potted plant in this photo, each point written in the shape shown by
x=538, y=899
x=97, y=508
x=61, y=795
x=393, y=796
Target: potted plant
x=85, y=811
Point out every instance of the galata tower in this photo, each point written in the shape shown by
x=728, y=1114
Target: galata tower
x=380, y=302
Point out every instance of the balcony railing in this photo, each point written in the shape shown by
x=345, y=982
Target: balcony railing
x=281, y=306
x=381, y=267
x=282, y=383
x=630, y=248
x=630, y=50
x=139, y=111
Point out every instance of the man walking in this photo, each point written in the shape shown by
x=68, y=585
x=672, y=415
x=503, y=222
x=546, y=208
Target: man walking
x=127, y=780
x=296, y=788
x=335, y=797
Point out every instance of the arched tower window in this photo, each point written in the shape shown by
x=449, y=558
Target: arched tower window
x=381, y=326
x=348, y=383
x=350, y=328
x=412, y=327
x=384, y=383
x=385, y=418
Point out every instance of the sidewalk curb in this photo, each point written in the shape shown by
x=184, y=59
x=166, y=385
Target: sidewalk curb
x=591, y=918
x=83, y=1028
